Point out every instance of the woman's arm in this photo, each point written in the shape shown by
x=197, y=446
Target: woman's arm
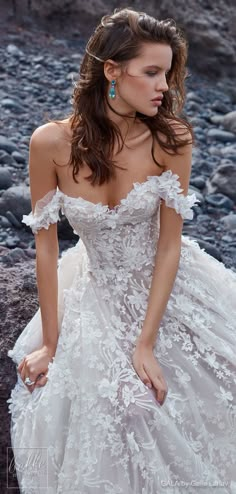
x=43, y=178
x=168, y=250
x=164, y=274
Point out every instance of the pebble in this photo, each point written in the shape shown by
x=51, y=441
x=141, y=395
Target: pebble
x=229, y=221
x=219, y=201
x=229, y=152
x=229, y=121
x=18, y=157
x=198, y=182
x=221, y=135
x=7, y=145
x=223, y=181
x=13, y=220
x=14, y=50
x=5, y=178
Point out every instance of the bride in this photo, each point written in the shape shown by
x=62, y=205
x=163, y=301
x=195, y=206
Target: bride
x=126, y=373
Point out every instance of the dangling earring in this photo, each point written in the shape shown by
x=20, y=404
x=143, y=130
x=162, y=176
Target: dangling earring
x=112, y=92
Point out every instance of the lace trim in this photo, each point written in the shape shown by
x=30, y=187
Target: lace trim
x=45, y=213
x=171, y=192
x=168, y=186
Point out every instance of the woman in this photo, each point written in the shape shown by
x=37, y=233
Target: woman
x=135, y=311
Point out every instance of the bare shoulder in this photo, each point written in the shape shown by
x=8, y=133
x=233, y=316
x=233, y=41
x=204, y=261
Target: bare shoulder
x=179, y=162
x=49, y=136
x=46, y=144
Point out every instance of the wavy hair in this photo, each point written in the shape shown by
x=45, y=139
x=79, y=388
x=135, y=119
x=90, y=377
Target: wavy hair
x=120, y=37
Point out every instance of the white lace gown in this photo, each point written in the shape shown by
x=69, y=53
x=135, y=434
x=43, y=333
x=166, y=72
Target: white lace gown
x=99, y=429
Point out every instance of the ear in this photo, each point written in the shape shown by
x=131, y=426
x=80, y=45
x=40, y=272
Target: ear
x=112, y=70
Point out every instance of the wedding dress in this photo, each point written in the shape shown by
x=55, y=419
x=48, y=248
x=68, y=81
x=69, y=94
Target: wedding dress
x=96, y=427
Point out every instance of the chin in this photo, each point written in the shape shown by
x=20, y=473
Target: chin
x=151, y=113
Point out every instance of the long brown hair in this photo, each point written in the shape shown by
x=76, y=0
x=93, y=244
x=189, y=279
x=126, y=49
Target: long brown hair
x=120, y=37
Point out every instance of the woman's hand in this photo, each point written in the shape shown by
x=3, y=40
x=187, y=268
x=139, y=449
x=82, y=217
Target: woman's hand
x=149, y=370
x=35, y=366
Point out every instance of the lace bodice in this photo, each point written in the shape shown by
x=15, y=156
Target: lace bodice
x=140, y=204
x=112, y=236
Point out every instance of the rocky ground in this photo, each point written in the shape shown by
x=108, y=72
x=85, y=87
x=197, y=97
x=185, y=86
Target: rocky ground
x=36, y=77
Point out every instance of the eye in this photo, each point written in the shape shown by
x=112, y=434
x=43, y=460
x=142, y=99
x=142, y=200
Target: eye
x=151, y=74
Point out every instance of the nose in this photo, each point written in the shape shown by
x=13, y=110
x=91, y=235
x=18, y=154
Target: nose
x=162, y=85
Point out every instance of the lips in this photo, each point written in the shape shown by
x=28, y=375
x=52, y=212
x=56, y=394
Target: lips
x=159, y=98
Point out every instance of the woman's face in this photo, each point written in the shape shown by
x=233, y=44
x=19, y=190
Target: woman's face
x=144, y=79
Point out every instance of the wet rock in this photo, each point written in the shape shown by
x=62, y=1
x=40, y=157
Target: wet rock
x=198, y=182
x=14, y=256
x=7, y=145
x=5, y=178
x=229, y=121
x=14, y=50
x=18, y=157
x=12, y=105
x=229, y=221
x=229, y=152
x=219, y=201
x=223, y=181
x=17, y=200
x=13, y=220
x=221, y=135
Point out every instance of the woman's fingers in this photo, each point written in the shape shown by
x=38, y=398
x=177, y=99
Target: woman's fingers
x=21, y=365
x=41, y=381
x=144, y=377
x=161, y=389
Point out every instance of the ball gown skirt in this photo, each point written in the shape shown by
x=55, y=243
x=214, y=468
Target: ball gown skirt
x=95, y=427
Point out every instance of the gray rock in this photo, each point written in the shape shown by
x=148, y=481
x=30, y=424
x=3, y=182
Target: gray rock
x=216, y=119
x=219, y=201
x=18, y=157
x=198, y=122
x=229, y=221
x=12, y=242
x=198, y=182
x=223, y=181
x=11, y=217
x=6, y=159
x=229, y=152
x=221, y=135
x=210, y=249
x=17, y=200
x=14, y=50
x=7, y=145
x=193, y=96
x=220, y=106
x=14, y=256
x=4, y=222
x=5, y=178
x=227, y=238
x=12, y=105
x=229, y=121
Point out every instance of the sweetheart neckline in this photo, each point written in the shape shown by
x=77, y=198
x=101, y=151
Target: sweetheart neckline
x=124, y=199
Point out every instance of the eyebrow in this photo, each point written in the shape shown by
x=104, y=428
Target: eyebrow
x=155, y=67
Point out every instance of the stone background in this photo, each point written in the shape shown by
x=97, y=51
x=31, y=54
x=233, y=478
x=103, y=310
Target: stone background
x=41, y=44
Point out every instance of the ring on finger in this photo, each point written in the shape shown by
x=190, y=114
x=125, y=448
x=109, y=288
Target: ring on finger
x=28, y=381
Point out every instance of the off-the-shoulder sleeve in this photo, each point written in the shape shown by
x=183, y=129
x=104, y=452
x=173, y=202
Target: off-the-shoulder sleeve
x=46, y=211
x=171, y=192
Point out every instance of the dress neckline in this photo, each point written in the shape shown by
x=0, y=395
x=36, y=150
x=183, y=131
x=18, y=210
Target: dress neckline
x=167, y=173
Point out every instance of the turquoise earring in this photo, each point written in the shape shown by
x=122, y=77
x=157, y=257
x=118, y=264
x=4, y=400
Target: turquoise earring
x=112, y=92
